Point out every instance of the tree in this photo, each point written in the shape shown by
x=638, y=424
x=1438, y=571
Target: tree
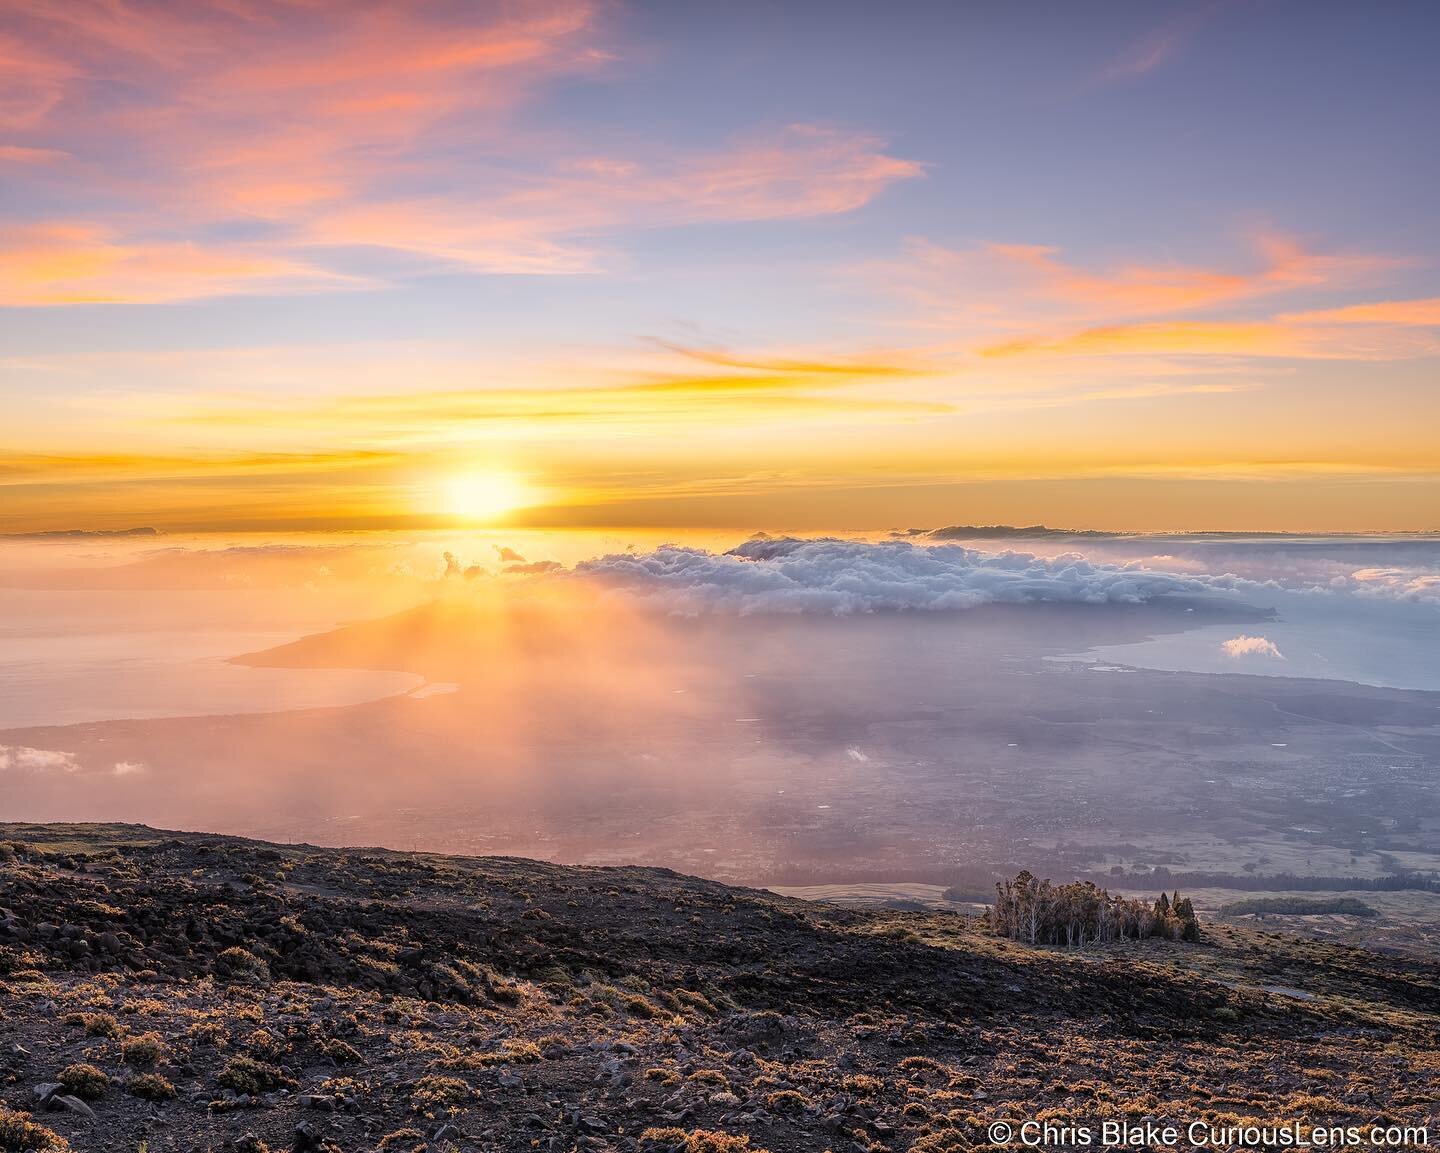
x=1081, y=913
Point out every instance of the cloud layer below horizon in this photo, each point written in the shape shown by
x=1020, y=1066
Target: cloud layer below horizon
x=789, y=575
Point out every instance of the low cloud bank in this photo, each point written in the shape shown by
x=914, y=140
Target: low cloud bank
x=1403, y=569
x=783, y=574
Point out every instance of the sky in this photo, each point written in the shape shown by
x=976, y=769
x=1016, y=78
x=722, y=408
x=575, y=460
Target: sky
x=315, y=265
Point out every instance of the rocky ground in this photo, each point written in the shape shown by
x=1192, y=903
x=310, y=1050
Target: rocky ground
x=189, y=992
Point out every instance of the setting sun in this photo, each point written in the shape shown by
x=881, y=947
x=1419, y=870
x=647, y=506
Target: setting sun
x=484, y=496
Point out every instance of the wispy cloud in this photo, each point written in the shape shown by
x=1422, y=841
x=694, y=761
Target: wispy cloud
x=1010, y=300
x=1405, y=313
x=1154, y=49
x=82, y=263
x=325, y=128
x=1263, y=339
x=679, y=386
x=23, y=154
x=1008, y=285
x=551, y=222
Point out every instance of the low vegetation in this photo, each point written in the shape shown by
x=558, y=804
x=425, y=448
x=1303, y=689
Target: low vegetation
x=20, y=1134
x=84, y=1081
x=1298, y=906
x=418, y=1004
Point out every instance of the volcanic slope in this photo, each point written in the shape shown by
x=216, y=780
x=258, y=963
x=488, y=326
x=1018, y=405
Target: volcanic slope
x=164, y=991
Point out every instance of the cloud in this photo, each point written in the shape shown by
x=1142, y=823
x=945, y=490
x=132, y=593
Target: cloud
x=1174, y=338
x=665, y=384
x=1014, y=300
x=788, y=575
x=507, y=554
x=1409, y=584
x=1248, y=646
x=997, y=286
x=1150, y=52
x=1266, y=339
x=61, y=262
x=32, y=82
x=549, y=224
x=21, y=154
x=332, y=134
x=22, y=759
x=1421, y=313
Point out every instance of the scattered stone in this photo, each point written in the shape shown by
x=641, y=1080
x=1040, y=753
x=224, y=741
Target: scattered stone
x=73, y=1104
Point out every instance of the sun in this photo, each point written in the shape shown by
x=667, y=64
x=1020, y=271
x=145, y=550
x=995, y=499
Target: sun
x=484, y=496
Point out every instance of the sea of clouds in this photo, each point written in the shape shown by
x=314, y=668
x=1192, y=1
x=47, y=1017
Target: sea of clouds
x=834, y=576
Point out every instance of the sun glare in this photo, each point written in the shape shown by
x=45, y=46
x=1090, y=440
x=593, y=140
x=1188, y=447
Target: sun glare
x=484, y=496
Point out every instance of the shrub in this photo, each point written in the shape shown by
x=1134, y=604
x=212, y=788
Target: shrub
x=19, y=1134
x=698, y=1141
x=262, y=1043
x=431, y=1091
x=239, y=964
x=247, y=1075
x=863, y=1086
x=84, y=1081
x=341, y=1052
x=146, y=1049
x=787, y=1101
x=696, y=1001
x=511, y=1052
x=942, y=1142
x=150, y=1087
x=403, y=1141
x=96, y=1024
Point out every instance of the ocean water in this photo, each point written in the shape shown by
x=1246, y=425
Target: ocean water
x=1325, y=635
x=77, y=656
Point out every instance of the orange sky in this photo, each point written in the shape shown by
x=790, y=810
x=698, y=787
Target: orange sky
x=372, y=265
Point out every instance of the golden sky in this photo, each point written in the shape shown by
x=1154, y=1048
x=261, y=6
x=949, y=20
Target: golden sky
x=266, y=265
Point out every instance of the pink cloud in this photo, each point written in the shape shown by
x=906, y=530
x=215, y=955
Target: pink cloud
x=1150, y=52
x=1423, y=313
x=549, y=225
x=345, y=125
x=1012, y=285
x=20, y=154
x=80, y=263
x=1199, y=338
x=32, y=83
x=1248, y=646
